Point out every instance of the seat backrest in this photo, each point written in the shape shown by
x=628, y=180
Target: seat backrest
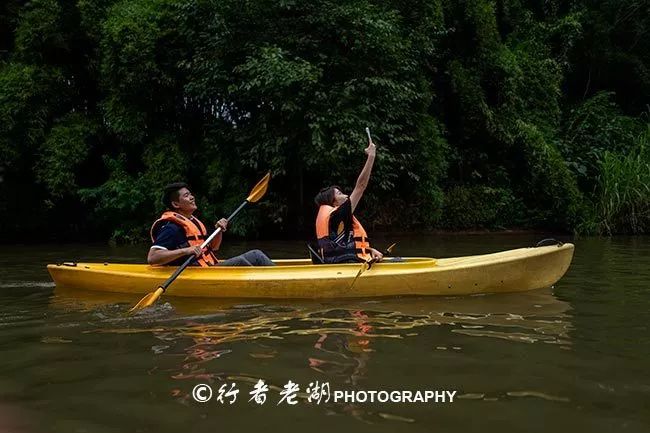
x=316, y=258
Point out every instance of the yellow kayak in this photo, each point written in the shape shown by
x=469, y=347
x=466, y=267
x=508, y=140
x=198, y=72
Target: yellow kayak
x=508, y=271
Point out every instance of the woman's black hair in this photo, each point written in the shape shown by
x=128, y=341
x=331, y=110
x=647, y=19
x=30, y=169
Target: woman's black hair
x=326, y=196
x=170, y=193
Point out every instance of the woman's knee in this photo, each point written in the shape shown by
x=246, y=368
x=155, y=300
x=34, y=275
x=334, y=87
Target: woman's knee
x=258, y=258
x=236, y=261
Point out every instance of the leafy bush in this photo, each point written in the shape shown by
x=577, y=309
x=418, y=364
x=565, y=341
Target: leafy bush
x=624, y=190
x=592, y=129
x=473, y=207
x=550, y=190
x=66, y=147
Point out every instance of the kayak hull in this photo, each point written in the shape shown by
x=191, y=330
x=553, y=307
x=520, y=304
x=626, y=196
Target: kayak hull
x=507, y=271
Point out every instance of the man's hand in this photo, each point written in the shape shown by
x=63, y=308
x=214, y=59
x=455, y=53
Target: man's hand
x=371, y=149
x=376, y=255
x=192, y=251
x=223, y=223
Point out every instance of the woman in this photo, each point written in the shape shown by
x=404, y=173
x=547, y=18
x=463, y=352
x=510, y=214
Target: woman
x=341, y=237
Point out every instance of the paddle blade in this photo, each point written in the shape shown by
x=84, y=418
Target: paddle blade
x=148, y=300
x=364, y=267
x=259, y=190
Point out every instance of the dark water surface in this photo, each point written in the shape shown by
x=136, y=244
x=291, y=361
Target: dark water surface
x=572, y=358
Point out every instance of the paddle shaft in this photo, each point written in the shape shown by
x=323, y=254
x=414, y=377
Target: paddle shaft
x=191, y=258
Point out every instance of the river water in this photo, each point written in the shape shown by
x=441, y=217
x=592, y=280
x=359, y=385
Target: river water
x=574, y=357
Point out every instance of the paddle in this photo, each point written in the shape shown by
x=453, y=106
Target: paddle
x=368, y=263
x=389, y=250
x=257, y=193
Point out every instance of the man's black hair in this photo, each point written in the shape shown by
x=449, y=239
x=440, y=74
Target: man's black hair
x=170, y=193
x=326, y=195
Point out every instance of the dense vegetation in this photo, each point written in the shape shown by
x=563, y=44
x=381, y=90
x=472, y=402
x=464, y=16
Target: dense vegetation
x=487, y=113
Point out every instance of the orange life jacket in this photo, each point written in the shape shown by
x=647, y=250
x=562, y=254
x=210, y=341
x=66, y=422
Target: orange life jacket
x=195, y=234
x=361, y=245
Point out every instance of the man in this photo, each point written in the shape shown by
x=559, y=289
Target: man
x=178, y=234
x=341, y=237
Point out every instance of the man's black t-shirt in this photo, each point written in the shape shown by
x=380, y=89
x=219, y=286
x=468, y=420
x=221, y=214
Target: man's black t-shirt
x=171, y=236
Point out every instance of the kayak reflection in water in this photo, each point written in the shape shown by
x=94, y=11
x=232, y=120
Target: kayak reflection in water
x=178, y=234
x=341, y=237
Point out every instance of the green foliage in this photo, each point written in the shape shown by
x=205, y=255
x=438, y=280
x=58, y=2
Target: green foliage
x=480, y=207
x=131, y=74
x=508, y=109
x=9, y=16
x=613, y=53
x=25, y=93
x=124, y=198
x=594, y=128
x=66, y=147
x=38, y=36
x=301, y=96
x=426, y=172
x=551, y=191
x=119, y=200
x=524, y=113
x=164, y=163
x=624, y=190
